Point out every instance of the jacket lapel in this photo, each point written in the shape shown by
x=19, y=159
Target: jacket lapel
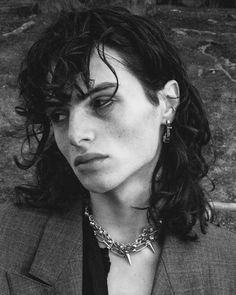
x=179, y=268
x=59, y=254
x=161, y=284
x=23, y=285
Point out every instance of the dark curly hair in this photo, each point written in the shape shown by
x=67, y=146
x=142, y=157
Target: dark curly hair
x=49, y=71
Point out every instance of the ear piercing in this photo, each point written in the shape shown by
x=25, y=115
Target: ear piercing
x=167, y=134
x=91, y=83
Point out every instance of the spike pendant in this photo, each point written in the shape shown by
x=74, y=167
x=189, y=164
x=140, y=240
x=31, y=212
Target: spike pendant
x=127, y=256
x=149, y=245
x=144, y=240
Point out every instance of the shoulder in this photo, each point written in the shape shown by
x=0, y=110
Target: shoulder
x=218, y=244
x=26, y=219
x=216, y=240
x=20, y=232
x=209, y=262
x=221, y=239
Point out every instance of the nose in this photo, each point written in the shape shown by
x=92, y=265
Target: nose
x=81, y=127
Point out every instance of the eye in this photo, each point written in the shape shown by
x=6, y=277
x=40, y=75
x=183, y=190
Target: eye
x=58, y=116
x=102, y=103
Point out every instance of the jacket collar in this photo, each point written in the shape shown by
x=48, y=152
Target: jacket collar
x=161, y=284
x=62, y=240
x=62, y=236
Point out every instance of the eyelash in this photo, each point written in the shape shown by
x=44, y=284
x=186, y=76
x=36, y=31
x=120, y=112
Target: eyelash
x=54, y=116
x=99, y=109
x=104, y=104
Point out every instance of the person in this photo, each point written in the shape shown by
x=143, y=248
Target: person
x=115, y=131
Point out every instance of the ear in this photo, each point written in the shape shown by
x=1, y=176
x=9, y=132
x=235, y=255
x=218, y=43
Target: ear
x=169, y=96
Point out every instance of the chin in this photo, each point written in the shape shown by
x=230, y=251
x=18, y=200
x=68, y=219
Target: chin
x=99, y=185
x=97, y=189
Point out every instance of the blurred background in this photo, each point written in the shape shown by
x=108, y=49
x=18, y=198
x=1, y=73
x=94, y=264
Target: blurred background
x=205, y=34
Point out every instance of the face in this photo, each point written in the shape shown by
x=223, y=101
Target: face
x=109, y=142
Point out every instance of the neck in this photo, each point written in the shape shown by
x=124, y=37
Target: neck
x=117, y=211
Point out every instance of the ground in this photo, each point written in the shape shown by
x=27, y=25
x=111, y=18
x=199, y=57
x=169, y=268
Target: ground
x=206, y=40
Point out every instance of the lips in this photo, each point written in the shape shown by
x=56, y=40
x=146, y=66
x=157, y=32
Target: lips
x=88, y=158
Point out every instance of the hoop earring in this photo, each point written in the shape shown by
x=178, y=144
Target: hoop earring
x=167, y=134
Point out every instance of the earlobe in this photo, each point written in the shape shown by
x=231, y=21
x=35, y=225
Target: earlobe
x=170, y=95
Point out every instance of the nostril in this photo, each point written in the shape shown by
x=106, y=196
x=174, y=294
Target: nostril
x=81, y=139
x=80, y=149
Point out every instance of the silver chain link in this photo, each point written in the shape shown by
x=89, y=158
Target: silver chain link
x=145, y=239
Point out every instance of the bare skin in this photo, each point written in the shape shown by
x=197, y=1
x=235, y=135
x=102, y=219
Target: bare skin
x=136, y=279
x=124, y=223
x=116, y=213
x=128, y=131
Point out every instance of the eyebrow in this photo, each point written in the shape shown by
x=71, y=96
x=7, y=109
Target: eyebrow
x=54, y=102
x=98, y=88
x=101, y=87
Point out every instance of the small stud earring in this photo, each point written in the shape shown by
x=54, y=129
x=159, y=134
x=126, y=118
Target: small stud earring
x=167, y=134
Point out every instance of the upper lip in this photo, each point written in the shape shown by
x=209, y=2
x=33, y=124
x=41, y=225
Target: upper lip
x=87, y=158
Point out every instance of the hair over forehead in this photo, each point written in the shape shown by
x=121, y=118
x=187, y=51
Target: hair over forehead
x=65, y=48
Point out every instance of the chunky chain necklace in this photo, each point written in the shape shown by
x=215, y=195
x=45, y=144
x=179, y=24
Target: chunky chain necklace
x=145, y=239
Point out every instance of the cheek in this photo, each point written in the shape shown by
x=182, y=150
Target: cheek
x=139, y=133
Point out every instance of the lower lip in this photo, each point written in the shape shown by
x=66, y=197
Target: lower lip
x=91, y=165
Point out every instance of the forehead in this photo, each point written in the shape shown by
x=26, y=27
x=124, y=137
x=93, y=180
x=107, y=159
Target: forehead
x=101, y=76
x=112, y=74
x=100, y=72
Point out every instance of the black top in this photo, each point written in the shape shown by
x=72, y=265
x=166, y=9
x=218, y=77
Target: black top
x=96, y=263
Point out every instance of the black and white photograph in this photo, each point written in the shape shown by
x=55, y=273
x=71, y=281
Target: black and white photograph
x=117, y=147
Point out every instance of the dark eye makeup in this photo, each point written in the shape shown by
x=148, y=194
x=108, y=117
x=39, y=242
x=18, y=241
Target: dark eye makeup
x=57, y=115
x=99, y=105
x=102, y=103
